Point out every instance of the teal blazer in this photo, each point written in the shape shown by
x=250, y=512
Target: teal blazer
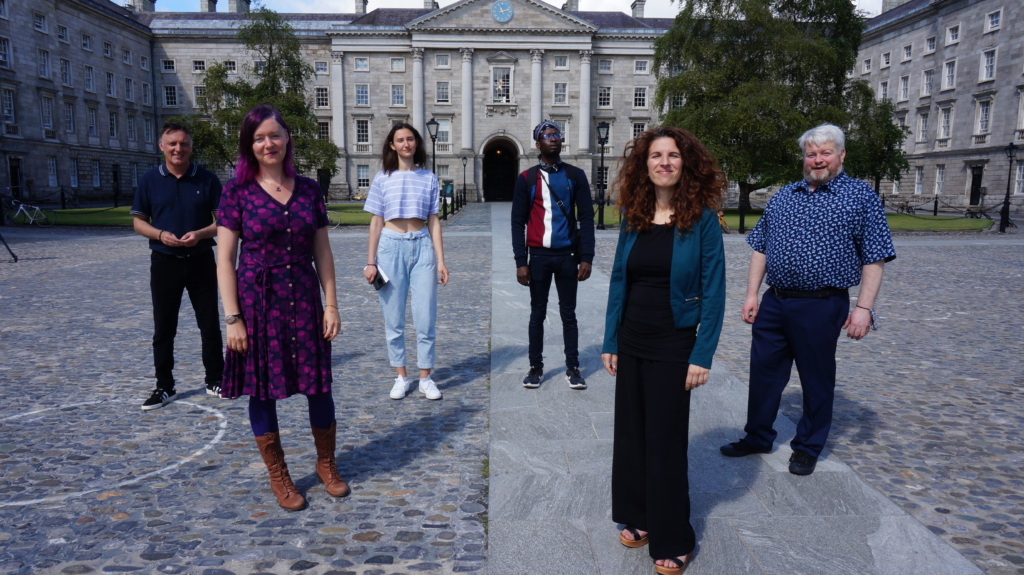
x=697, y=286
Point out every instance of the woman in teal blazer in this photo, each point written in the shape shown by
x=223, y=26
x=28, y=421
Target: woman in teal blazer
x=666, y=302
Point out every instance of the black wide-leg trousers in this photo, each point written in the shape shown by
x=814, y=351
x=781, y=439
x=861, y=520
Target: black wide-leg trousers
x=650, y=488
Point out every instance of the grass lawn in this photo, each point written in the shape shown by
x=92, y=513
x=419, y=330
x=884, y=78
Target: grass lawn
x=95, y=217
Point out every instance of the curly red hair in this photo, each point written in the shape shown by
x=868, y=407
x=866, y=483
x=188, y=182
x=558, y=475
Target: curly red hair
x=702, y=184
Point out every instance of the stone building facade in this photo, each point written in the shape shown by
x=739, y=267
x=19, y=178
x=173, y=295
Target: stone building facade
x=486, y=70
x=955, y=69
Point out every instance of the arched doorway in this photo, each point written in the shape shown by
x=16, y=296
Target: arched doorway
x=501, y=167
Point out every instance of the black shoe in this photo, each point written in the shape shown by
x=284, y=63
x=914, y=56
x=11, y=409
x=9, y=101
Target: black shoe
x=160, y=398
x=741, y=448
x=802, y=463
x=213, y=389
x=575, y=380
x=532, y=379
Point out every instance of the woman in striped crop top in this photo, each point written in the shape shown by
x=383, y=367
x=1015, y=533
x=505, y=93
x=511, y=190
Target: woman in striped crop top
x=406, y=247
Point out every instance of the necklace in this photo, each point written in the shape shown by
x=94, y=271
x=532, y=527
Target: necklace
x=266, y=181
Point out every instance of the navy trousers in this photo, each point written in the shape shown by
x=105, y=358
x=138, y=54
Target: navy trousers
x=805, y=330
x=564, y=271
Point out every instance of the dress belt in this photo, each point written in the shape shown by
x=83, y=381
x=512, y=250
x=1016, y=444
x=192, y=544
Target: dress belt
x=814, y=294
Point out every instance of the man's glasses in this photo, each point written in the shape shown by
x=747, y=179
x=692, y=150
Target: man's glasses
x=551, y=136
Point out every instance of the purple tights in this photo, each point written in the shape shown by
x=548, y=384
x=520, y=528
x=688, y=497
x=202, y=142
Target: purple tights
x=263, y=413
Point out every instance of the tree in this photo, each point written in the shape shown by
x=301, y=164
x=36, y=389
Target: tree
x=874, y=143
x=747, y=77
x=280, y=81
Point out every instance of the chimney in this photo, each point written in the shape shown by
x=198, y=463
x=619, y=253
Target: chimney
x=361, y=6
x=638, y=8
x=571, y=6
x=207, y=5
x=890, y=4
x=238, y=6
x=141, y=5
x=428, y=4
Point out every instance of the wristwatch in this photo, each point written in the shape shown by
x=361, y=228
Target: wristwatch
x=232, y=318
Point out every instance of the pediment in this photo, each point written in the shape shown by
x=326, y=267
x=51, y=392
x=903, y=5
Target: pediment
x=502, y=57
x=475, y=16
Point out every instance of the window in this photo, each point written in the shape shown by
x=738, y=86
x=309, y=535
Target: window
x=922, y=127
x=561, y=62
x=604, y=66
x=198, y=96
x=74, y=173
x=130, y=128
x=940, y=178
x=65, y=71
x=8, y=106
x=908, y=52
x=147, y=130
x=918, y=180
x=44, y=64
x=3, y=9
x=949, y=81
x=93, y=130
x=945, y=123
x=398, y=64
x=678, y=100
x=363, y=176
x=362, y=94
x=323, y=97
x=883, y=90
x=604, y=96
x=993, y=20
x=640, y=67
x=198, y=66
x=363, y=133
x=95, y=173
x=640, y=97
x=866, y=68
x=231, y=66
x=87, y=42
x=129, y=90
x=562, y=130
x=62, y=33
x=443, y=96
x=886, y=59
x=69, y=117
x=984, y=115
x=39, y=22
x=442, y=171
x=929, y=45
x=444, y=134
x=639, y=128
x=895, y=187
x=126, y=57
x=51, y=170
x=323, y=130
x=144, y=62
x=988, y=65
x=108, y=49
x=320, y=67
x=1019, y=188
x=112, y=124
x=5, y=52
x=953, y=35
x=259, y=66
x=361, y=64
x=171, y=96
x=442, y=61
x=561, y=97
x=46, y=110
x=111, y=89
x=145, y=94
x=134, y=170
x=398, y=94
x=926, y=82
x=501, y=82
x=168, y=65
x=904, y=88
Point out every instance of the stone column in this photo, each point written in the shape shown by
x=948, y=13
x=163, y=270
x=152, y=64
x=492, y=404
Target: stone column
x=338, y=105
x=418, y=108
x=536, y=88
x=585, y=111
x=467, y=101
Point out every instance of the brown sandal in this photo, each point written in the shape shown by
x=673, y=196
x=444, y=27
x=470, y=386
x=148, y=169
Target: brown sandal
x=636, y=541
x=678, y=569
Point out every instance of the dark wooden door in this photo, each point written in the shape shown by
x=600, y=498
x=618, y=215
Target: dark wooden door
x=14, y=172
x=976, y=174
x=501, y=165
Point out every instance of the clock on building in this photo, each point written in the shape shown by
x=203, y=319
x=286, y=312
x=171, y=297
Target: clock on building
x=502, y=11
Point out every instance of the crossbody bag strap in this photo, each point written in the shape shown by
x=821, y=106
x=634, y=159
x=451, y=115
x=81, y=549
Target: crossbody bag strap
x=558, y=200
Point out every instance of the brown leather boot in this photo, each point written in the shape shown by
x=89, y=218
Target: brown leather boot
x=281, y=484
x=326, y=470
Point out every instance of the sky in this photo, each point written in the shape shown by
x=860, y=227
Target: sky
x=653, y=8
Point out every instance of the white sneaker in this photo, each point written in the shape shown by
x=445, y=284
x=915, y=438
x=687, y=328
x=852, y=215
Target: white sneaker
x=400, y=388
x=429, y=389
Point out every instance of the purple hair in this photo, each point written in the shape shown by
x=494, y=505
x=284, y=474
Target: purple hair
x=248, y=166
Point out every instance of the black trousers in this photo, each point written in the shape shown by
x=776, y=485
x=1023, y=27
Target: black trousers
x=169, y=277
x=650, y=488
x=565, y=272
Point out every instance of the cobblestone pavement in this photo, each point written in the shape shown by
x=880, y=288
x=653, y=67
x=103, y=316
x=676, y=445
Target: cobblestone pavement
x=930, y=408
x=89, y=483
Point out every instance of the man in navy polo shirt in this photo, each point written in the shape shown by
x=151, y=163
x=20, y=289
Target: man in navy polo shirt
x=816, y=239
x=174, y=207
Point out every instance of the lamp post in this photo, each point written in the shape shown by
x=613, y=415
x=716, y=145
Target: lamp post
x=602, y=139
x=463, y=198
x=1004, y=214
x=432, y=131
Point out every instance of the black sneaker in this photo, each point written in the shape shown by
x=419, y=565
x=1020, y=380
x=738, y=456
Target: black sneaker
x=575, y=380
x=741, y=448
x=160, y=398
x=802, y=463
x=532, y=379
x=213, y=389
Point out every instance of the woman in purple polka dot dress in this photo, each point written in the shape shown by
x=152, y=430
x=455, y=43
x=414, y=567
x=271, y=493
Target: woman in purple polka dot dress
x=279, y=333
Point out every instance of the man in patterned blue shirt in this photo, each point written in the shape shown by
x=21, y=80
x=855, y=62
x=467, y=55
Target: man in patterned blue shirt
x=816, y=239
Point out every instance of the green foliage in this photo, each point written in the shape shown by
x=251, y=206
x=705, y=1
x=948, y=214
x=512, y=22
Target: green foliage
x=281, y=83
x=874, y=143
x=747, y=77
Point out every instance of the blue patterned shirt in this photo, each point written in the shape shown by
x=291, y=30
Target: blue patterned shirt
x=812, y=240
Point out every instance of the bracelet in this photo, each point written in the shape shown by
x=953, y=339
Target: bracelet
x=862, y=307
x=160, y=235
x=331, y=305
x=874, y=324
x=374, y=265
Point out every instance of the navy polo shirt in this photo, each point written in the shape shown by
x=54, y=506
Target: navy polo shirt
x=178, y=205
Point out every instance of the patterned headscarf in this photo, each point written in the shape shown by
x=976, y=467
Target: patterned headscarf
x=544, y=126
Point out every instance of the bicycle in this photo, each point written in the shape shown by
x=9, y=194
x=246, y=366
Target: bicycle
x=904, y=208
x=19, y=213
x=333, y=219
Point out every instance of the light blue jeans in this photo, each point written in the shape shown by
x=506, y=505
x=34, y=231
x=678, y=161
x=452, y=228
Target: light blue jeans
x=409, y=262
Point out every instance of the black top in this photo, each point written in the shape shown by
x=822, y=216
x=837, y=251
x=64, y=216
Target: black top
x=648, y=330
x=178, y=205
